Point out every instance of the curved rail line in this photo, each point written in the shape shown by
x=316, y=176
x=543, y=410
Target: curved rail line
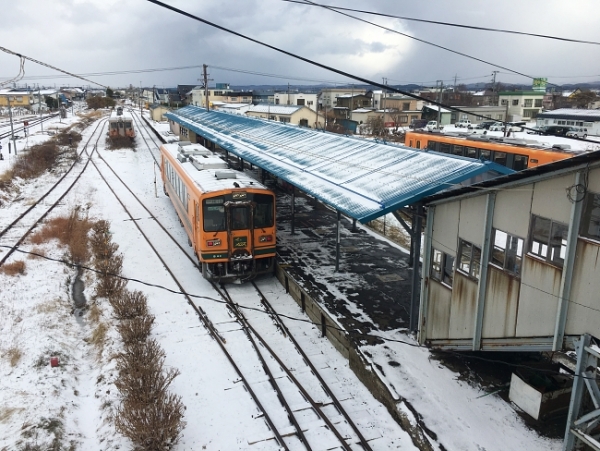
x=41, y=218
x=22, y=127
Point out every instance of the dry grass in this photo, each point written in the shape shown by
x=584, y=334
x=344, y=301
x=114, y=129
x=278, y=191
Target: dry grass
x=94, y=313
x=37, y=252
x=72, y=231
x=98, y=337
x=136, y=330
x=129, y=305
x=13, y=354
x=392, y=232
x=49, y=306
x=7, y=412
x=12, y=269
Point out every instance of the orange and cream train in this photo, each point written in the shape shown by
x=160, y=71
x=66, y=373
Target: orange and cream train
x=511, y=154
x=120, y=123
x=228, y=216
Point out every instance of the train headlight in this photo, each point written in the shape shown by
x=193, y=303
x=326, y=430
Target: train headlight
x=265, y=238
x=212, y=243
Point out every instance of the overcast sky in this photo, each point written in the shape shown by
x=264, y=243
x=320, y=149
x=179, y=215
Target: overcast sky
x=99, y=36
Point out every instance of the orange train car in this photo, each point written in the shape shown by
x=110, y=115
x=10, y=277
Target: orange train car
x=228, y=216
x=513, y=154
x=120, y=123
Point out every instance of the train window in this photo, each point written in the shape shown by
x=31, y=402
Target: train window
x=410, y=143
x=457, y=150
x=239, y=218
x=114, y=125
x=485, y=154
x=472, y=152
x=445, y=148
x=418, y=144
x=431, y=145
x=263, y=216
x=500, y=158
x=520, y=162
x=213, y=213
x=127, y=124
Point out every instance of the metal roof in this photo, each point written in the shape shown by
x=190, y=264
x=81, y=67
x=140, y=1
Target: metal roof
x=571, y=113
x=362, y=178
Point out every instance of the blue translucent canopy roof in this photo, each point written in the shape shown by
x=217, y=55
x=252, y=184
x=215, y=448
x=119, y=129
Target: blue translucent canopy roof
x=362, y=178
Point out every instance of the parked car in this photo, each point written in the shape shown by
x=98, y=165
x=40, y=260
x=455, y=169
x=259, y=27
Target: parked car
x=497, y=127
x=577, y=132
x=418, y=123
x=431, y=125
x=556, y=130
x=536, y=130
x=463, y=124
x=485, y=125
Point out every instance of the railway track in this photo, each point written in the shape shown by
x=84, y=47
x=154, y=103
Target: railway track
x=299, y=408
x=13, y=231
x=20, y=127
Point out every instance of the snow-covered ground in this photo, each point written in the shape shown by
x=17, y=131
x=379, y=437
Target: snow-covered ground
x=75, y=401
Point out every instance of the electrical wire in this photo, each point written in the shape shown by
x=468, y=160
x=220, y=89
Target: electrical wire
x=391, y=30
x=352, y=334
x=450, y=24
x=317, y=64
x=10, y=52
x=19, y=76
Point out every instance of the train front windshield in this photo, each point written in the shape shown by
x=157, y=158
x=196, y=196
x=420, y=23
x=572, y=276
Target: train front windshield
x=215, y=215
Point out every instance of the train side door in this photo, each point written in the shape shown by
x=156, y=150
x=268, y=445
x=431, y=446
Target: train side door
x=196, y=223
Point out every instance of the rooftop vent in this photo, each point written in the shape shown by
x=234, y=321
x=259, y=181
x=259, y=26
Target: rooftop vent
x=222, y=175
x=561, y=146
x=182, y=157
x=202, y=162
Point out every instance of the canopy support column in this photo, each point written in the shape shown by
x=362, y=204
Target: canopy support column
x=337, y=242
x=416, y=278
x=293, y=207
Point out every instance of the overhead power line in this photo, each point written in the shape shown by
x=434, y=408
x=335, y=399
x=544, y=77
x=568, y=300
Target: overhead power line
x=450, y=24
x=10, y=52
x=309, y=61
x=433, y=44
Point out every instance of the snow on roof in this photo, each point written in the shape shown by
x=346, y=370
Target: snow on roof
x=435, y=108
x=275, y=109
x=567, y=113
x=362, y=178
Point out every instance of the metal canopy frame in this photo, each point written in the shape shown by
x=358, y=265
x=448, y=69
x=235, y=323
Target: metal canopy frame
x=582, y=425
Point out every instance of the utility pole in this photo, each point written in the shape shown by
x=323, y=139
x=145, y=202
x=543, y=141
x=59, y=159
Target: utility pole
x=40, y=108
x=439, y=115
x=494, y=97
x=288, y=94
x=205, y=78
x=383, y=99
x=12, y=131
x=455, y=76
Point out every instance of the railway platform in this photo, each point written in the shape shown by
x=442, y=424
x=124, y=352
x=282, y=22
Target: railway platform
x=372, y=288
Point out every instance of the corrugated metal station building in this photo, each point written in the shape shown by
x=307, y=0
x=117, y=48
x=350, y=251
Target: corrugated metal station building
x=363, y=179
x=514, y=263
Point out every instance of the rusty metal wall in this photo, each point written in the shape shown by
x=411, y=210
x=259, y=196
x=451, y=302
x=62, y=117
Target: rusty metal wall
x=445, y=228
x=550, y=198
x=472, y=217
x=438, y=316
x=462, y=309
x=583, y=312
x=512, y=212
x=501, y=304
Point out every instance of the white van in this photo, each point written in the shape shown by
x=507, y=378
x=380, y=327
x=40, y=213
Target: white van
x=431, y=125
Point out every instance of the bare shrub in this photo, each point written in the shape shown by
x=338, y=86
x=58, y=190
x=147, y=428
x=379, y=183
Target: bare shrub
x=37, y=160
x=109, y=284
x=62, y=139
x=14, y=268
x=130, y=305
x=155, y=426
x=141, y=374
x=136, y=330
x=72, y=231
x=100, y=238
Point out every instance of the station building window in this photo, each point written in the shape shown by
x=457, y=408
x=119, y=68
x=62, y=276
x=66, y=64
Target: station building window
x=590, y=220
x=507, y=252
x=548, y=240
x=442, y=267
x=469, y=259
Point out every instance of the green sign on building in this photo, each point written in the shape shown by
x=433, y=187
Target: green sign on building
x=539, y=84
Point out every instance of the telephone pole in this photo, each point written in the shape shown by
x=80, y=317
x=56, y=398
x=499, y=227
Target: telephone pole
x=439, y=115
x=12, y=131
x=205, y=78
x=494, y=98
x=383, y=99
